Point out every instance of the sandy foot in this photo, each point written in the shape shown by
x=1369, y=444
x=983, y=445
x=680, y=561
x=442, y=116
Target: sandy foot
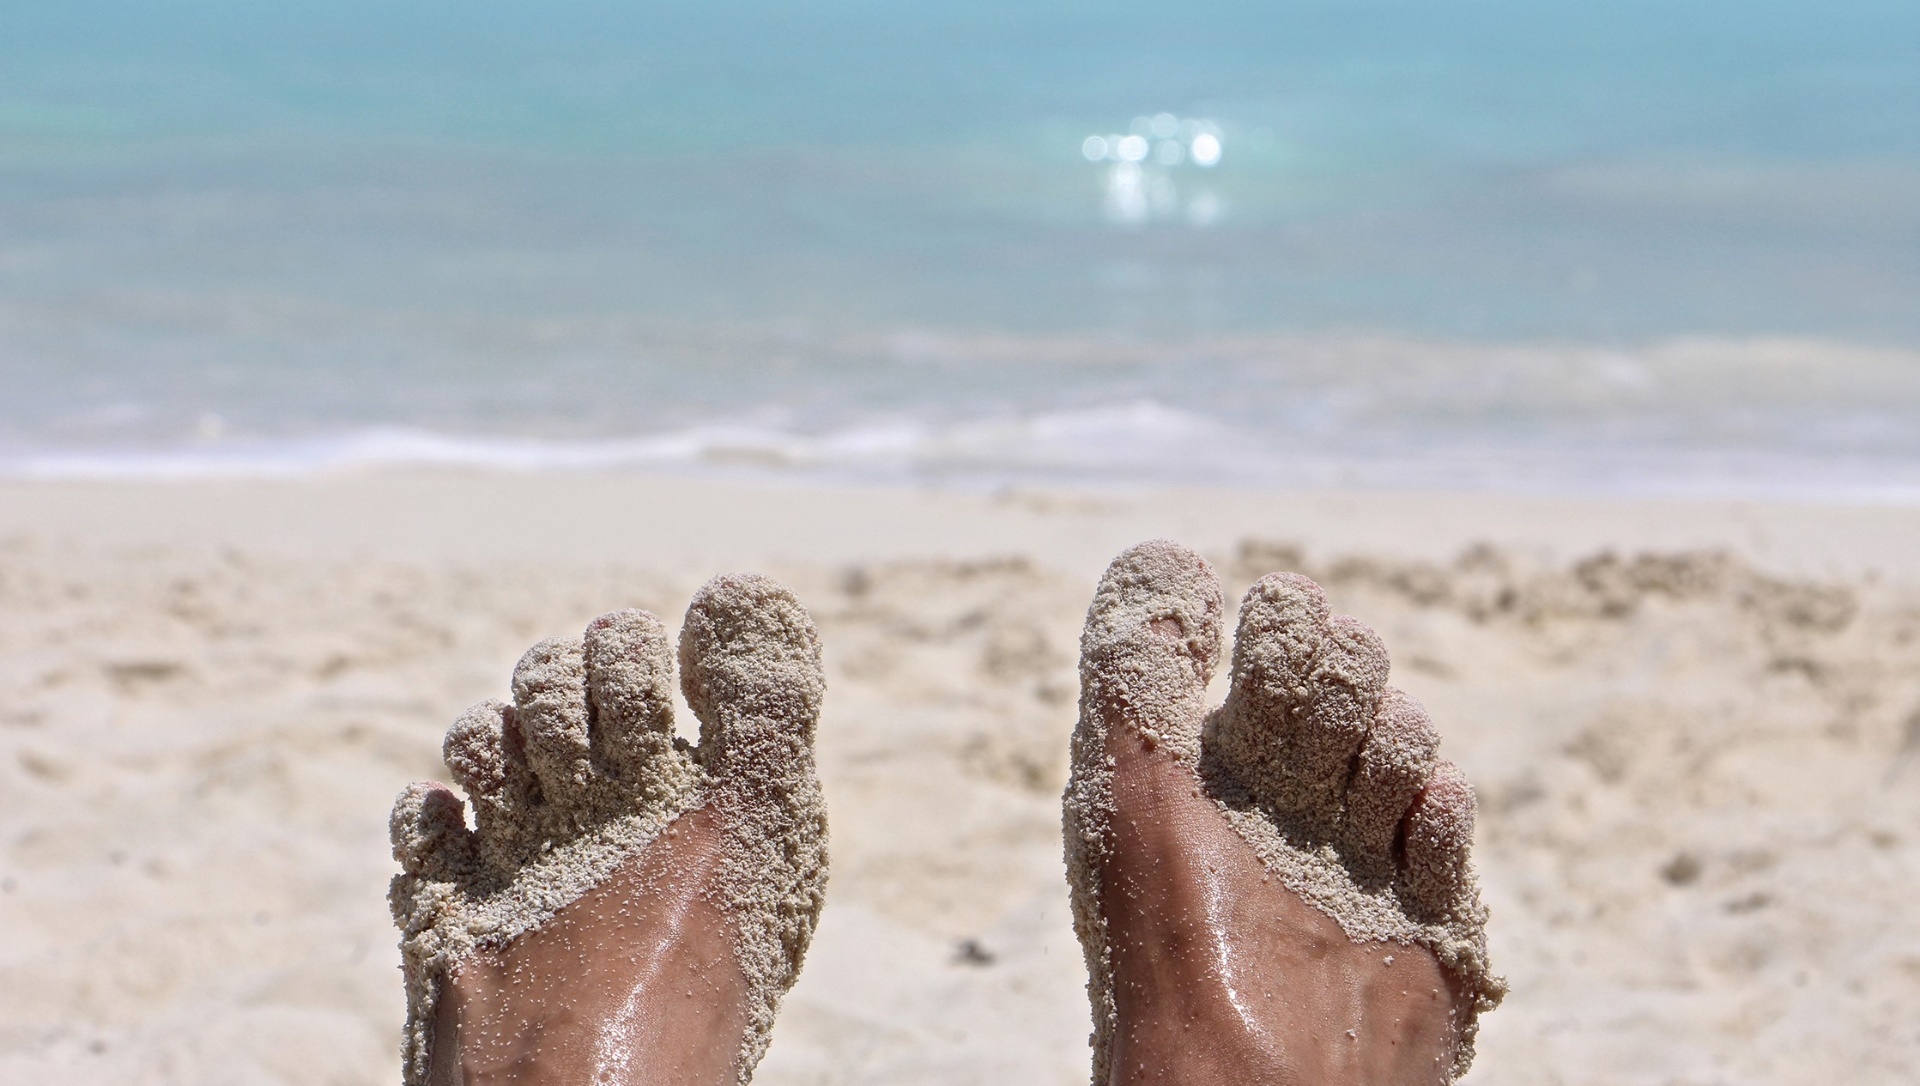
x=1279, y=890
x=622, y=898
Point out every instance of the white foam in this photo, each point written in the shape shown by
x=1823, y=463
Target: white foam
x=1126, y=442
x=1117, y=439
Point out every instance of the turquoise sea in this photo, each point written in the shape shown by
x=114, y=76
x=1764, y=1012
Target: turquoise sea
x=1629, y=247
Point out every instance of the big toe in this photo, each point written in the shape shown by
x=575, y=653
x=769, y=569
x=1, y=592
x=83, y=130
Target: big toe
x=750, y=669
x=1150, y=644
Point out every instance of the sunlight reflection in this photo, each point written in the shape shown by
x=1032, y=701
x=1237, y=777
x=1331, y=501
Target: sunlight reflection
x=1205, y=149
x=1141, y=182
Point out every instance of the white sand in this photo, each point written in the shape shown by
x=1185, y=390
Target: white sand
x=1700, y=820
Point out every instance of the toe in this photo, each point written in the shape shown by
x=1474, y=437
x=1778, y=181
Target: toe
x=1438, y=835
x=429, y=831
x=550, y=707
x=1306, y=686
x=750, y=670
x=1395, y=762
x=1151, y=642
x=484, y=753
x=1283, y=621
x=629, y=675
x=1347, y=680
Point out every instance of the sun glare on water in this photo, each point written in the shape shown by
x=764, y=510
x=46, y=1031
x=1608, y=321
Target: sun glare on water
x=1144, y=166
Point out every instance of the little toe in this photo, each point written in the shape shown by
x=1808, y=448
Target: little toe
x=750, y=670
x=429, y=831
x=1438, y=835
x=484, y=753
x=1150, y=644
x=1395, y=763
x=629, y=674
x=550, y=707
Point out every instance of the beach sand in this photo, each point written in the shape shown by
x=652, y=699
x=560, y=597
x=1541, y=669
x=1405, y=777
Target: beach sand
x=1694, y=728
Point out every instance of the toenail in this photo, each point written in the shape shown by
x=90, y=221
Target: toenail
x=1168, y=628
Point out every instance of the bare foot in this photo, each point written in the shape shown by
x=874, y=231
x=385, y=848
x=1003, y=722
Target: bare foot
x=1278, y=891
x=626, y=908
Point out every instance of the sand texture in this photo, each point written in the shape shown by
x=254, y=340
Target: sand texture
x=582, y=772
x=1698, y=770
x=1312, y=759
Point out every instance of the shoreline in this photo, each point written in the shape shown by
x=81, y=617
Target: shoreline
x=679, y=520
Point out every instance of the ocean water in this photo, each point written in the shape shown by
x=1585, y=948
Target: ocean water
x=1639, y=247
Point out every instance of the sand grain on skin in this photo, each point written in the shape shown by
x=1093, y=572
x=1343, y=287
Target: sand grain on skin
x=604, y=777
x=1148, y=652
